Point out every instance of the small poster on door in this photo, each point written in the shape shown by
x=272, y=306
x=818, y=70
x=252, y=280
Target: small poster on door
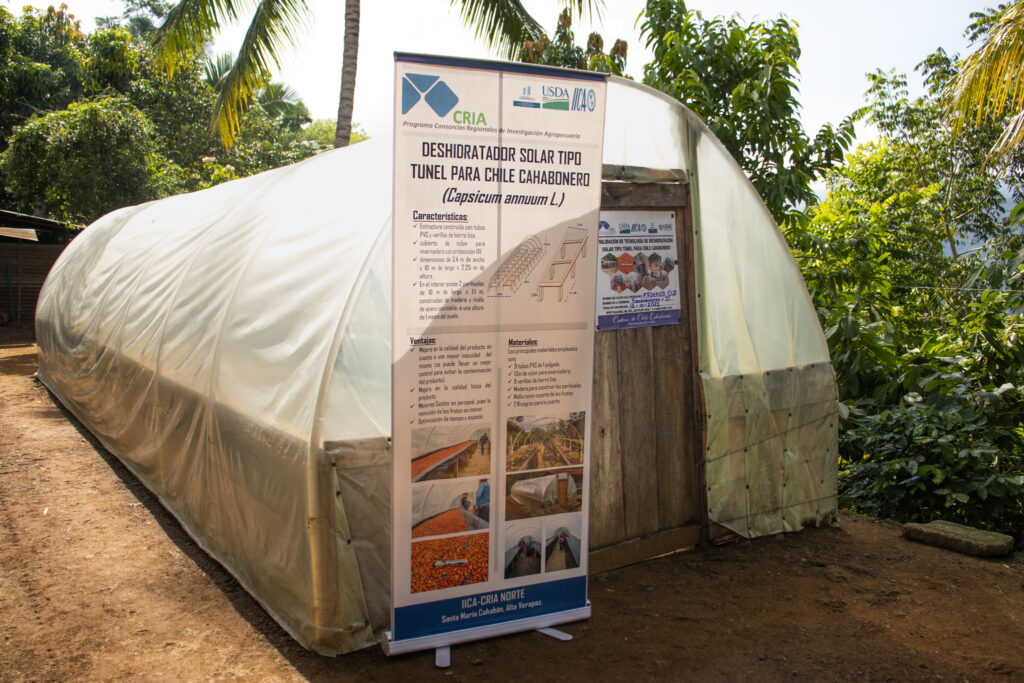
x=638, y=273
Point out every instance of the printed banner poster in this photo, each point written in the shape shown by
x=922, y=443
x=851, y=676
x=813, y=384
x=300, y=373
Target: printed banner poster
x=496, y=199
x=638, y=273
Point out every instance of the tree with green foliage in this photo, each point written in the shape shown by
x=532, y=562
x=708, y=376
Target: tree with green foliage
x=324, y=130
x=140, y=17
x=282, y=103
x=973, y=198
x=915, y=267
x=64, y=161
x=42, y=67
x=740, y=78
x=563, y=51
x=266, y=141
x=42, y=63
x=111, y=65
x=874, y=264
x=105, y=63
x=274, y=25
x=278, y=100
x=177, y=107
x=925, y=348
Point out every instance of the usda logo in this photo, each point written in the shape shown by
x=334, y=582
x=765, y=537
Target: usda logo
x=558, y=98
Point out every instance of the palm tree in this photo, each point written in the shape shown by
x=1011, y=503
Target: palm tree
x=991, y=82
x=278, y=100
x=346, y=100
x=503, y=24
x=281, y=102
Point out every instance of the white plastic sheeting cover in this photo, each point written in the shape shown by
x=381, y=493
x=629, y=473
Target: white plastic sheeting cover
x=769, y=390
x=231, y=347
x=644, y=128
x=192, y=335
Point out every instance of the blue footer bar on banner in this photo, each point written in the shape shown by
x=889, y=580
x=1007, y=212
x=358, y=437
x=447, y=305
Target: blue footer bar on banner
x=393, y=647
x=481, y=609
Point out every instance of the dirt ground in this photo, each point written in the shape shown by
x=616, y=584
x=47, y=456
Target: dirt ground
x=98, y=582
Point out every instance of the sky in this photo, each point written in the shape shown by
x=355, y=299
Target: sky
x=840, y=41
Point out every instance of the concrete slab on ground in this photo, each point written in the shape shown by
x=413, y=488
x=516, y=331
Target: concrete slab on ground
x=960, y=538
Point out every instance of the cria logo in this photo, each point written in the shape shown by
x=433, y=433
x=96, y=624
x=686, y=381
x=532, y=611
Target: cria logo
x=558, y=98
x=432, y=89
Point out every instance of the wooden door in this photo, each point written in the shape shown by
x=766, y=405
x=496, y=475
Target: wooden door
x=647, y=426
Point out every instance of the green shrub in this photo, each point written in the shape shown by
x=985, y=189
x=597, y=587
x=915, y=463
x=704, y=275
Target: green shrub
x=920, y=463
x=86, y=160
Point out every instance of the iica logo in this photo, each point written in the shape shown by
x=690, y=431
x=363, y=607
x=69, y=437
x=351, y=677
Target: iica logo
x=431, y=89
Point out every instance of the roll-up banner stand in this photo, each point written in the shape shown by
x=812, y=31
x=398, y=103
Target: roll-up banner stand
x=497, y=189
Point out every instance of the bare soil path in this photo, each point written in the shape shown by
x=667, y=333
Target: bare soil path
x=98, y=582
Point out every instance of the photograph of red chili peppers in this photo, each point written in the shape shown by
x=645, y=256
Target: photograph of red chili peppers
x=450, y=522
x=449, y=562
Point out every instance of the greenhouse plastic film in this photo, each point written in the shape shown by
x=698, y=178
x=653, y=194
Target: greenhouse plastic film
x=231, y=347
x=644, y=128
x=770, y=465
x=189, y=335
x=363, y=480
x=767, y=469
x=770, y=397
x=358, y=395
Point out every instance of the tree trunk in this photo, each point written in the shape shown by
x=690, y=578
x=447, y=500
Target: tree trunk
x=348, y=74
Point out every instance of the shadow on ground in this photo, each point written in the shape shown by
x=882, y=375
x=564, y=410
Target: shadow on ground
x=22, y=364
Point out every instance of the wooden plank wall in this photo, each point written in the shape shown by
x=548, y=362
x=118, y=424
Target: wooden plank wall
x=27, y=264
x=645, y=439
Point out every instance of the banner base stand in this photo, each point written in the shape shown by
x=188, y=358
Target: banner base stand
x=443, y=657
x=555, y=633
x=445, y=640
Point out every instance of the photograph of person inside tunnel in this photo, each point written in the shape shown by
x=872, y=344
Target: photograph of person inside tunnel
x=451, y=451
x=539, y=441
x=449, y=507
x=522, y=548
x=562, y=545
x=449, y=562
x=545, y=492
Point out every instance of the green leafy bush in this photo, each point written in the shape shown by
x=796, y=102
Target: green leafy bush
x=916, y=272
x=920, y=463
x=86, y=160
